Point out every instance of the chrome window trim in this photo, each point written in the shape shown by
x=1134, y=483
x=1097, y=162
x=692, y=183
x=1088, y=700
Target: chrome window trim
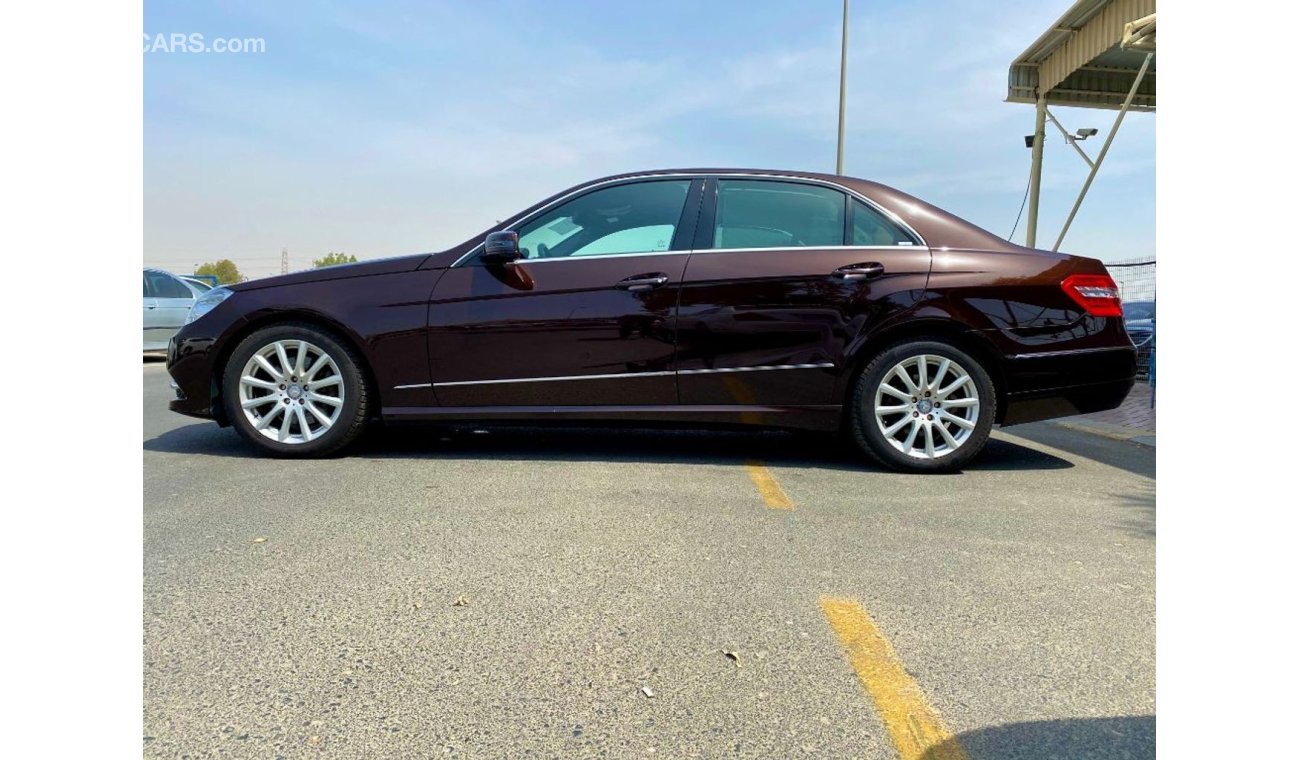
x=623, y=375
x=895, y=218
x=512, y=223
x=640, y=177
x=890, y=215
x=787, y=249
x=603, y=256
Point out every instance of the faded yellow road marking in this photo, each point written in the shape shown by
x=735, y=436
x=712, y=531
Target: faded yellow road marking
x=741, y=393
x=766, y=483
x=916, y=728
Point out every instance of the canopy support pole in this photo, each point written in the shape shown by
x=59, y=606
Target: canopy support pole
x=1036, y=172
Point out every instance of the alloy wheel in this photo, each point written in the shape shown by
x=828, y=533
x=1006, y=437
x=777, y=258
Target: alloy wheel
x=927, y=406
x=291, y=391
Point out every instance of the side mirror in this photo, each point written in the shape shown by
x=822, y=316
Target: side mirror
x=501, y=247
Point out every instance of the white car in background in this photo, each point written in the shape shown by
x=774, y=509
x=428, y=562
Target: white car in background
x=167, y=302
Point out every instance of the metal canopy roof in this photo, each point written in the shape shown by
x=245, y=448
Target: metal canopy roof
x=1090, y=57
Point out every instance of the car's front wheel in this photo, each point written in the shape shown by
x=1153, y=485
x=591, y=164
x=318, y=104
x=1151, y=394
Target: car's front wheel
x=923, y=406
x=295, y=390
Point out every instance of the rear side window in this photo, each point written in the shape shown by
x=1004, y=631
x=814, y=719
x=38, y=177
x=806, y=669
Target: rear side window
x=870, y=227
x=764, y=214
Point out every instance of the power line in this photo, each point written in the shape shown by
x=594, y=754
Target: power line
x=1021, y=211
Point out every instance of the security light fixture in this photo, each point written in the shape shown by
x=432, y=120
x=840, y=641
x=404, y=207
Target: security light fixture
x=1085, y=133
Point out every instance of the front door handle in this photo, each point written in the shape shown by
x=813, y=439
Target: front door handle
x=638, y=282
x=860, y=271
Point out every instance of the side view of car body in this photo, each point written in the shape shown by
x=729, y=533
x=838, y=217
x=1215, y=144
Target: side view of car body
x=696, y=297
x=167, y=302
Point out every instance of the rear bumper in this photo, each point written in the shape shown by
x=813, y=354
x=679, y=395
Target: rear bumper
x=1065, y=383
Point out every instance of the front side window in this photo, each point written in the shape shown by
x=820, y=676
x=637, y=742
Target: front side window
x=641, y=217
x=765, y=214
x=166, y=286
x=870, y=227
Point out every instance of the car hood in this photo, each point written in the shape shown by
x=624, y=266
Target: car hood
x=338, y=272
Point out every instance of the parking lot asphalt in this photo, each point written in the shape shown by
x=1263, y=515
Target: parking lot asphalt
x=612, y=593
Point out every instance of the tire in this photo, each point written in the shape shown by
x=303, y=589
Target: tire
x=334, y=410
x=888, y=436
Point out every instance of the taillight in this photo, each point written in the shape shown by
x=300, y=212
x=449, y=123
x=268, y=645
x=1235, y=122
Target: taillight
x=1096, y=293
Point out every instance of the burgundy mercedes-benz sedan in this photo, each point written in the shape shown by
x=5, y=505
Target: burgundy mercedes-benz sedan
x=694, y=297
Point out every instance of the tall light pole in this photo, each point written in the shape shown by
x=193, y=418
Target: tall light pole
x=844, y=60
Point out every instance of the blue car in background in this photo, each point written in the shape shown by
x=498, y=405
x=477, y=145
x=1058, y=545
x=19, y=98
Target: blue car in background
x=1140, y=321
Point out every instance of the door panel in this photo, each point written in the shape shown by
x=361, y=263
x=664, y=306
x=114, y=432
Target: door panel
x=773, y=295
x=167, y=303
x=576, y=331
x=153, y=328
x=771, y=326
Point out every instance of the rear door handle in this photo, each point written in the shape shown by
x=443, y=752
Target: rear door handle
x=860, y=271
x=638, y=282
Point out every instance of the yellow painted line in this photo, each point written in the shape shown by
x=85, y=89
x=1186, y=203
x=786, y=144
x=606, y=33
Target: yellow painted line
x=767, y=486
x=916, y=728
x=741, y=393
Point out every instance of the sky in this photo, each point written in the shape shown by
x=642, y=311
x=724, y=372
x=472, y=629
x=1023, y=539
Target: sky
x=385, y=128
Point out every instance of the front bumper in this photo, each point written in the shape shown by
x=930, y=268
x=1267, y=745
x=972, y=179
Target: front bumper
x=190, y=363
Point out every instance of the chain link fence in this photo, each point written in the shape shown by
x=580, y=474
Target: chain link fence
x=1136, y=279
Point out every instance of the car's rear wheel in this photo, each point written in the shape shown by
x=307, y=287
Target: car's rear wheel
x=295, y=390
x=923, y=406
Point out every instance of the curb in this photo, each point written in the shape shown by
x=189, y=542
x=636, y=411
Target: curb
x=1114, y=432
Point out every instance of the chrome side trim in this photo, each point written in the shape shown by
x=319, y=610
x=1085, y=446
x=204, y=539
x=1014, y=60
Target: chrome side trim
x=625, y=375
x=510, y=223
x=1072, y=352
x=819, y=365
x=555, y=379
x=412, y=385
